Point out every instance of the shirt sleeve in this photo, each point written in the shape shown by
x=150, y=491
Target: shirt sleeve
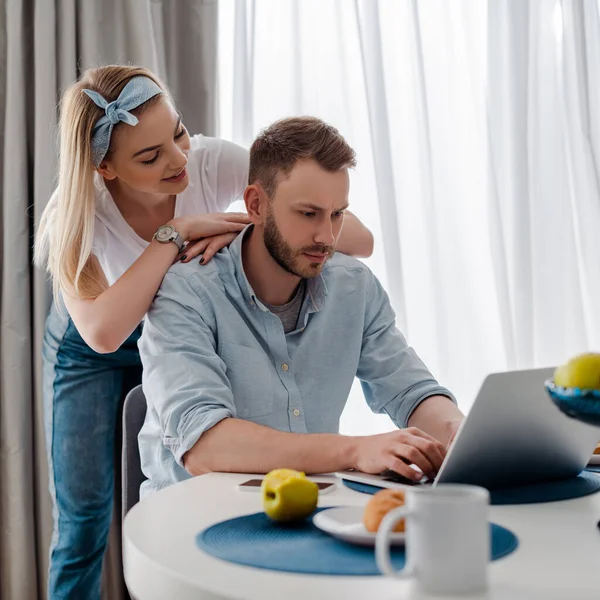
x=230, y=163
x=394, y=379
x=184, y=379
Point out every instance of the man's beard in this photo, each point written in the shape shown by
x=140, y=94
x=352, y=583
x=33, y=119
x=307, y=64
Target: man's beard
x=286, y=257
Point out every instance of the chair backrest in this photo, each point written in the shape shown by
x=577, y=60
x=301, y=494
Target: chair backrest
x=134, y=413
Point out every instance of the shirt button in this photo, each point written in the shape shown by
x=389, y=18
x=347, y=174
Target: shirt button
x=296, y=412
x=285, y=367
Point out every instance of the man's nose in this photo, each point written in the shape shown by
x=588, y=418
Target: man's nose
x=325, y=235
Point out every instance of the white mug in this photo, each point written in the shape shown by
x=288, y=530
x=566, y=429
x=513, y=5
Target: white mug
x=447, y=539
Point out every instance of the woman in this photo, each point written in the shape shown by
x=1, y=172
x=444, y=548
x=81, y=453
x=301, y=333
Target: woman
x=133, y=188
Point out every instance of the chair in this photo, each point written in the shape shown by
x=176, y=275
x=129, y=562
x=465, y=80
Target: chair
x=134, y=413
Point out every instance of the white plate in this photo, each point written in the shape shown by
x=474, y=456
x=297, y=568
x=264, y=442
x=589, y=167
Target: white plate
x=595, y=460
x=345, y=523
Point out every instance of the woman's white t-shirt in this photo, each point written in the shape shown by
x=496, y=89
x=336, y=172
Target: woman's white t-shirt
x=218, y=175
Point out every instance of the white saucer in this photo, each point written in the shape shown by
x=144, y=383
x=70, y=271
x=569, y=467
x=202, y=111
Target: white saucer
x=345, y=523
x=595, y=460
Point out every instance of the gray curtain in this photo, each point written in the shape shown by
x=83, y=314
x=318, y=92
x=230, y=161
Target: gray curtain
x=44, y=45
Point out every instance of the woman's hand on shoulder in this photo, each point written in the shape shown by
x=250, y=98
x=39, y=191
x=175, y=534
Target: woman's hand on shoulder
x=206, y=247
x=208, y=233
x=197, y=227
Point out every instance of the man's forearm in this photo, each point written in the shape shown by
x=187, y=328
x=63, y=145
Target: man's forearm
x=234, y=445
x=438, y=416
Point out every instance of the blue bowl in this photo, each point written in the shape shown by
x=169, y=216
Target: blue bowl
x=583, y=405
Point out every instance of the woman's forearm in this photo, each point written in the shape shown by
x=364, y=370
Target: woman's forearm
x=108, y=320
x=355, y=239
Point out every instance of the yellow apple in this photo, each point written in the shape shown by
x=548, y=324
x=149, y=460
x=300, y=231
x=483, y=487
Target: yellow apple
x=288, y=495
x=582, y=371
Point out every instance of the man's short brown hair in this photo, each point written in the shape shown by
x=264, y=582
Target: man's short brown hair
x=278, y=147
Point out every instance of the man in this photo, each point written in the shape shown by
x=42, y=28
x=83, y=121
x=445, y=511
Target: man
x=248, y=361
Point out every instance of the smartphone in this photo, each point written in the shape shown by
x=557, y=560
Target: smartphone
x=253, y=485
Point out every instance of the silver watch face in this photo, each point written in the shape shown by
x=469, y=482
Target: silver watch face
x=165, y=233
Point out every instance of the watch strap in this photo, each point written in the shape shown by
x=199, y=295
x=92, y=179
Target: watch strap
x=178, y=239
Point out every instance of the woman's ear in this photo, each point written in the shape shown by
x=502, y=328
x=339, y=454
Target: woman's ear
x=256, y=204
x=106, y=171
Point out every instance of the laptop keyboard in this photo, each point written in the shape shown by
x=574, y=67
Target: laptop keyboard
x=397, y=478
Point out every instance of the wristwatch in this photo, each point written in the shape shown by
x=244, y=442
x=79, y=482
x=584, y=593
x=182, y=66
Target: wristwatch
x=166, y=233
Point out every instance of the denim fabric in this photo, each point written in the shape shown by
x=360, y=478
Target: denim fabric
x=83, y=394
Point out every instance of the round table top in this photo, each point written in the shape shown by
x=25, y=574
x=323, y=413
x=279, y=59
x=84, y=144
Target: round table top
x=558, y=554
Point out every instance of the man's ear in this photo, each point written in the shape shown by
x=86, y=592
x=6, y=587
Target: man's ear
x=257, y=204
x=106, y=170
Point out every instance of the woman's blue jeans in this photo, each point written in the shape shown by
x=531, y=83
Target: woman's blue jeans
x=83, y=396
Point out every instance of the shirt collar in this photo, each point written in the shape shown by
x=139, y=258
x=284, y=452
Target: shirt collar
x=316, y=290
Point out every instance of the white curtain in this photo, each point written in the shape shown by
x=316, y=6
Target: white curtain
x=476, y=126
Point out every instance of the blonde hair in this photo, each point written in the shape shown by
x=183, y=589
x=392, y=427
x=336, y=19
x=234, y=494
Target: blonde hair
x=63, y=243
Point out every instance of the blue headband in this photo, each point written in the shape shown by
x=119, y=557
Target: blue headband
x=137, y=91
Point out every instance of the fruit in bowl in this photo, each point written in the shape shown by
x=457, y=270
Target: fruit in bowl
x=288, y=495
x=582, y=371
x=575, y=389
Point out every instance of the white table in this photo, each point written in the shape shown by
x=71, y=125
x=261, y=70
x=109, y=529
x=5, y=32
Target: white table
x=162, y=562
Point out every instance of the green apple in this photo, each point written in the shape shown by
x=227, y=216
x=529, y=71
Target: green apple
x=288, y=495
x=582, y=371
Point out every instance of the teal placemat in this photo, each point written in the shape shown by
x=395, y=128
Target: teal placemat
x=257, y=541
x=549, y=491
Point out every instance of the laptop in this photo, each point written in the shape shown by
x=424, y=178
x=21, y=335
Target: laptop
x=512, y=435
